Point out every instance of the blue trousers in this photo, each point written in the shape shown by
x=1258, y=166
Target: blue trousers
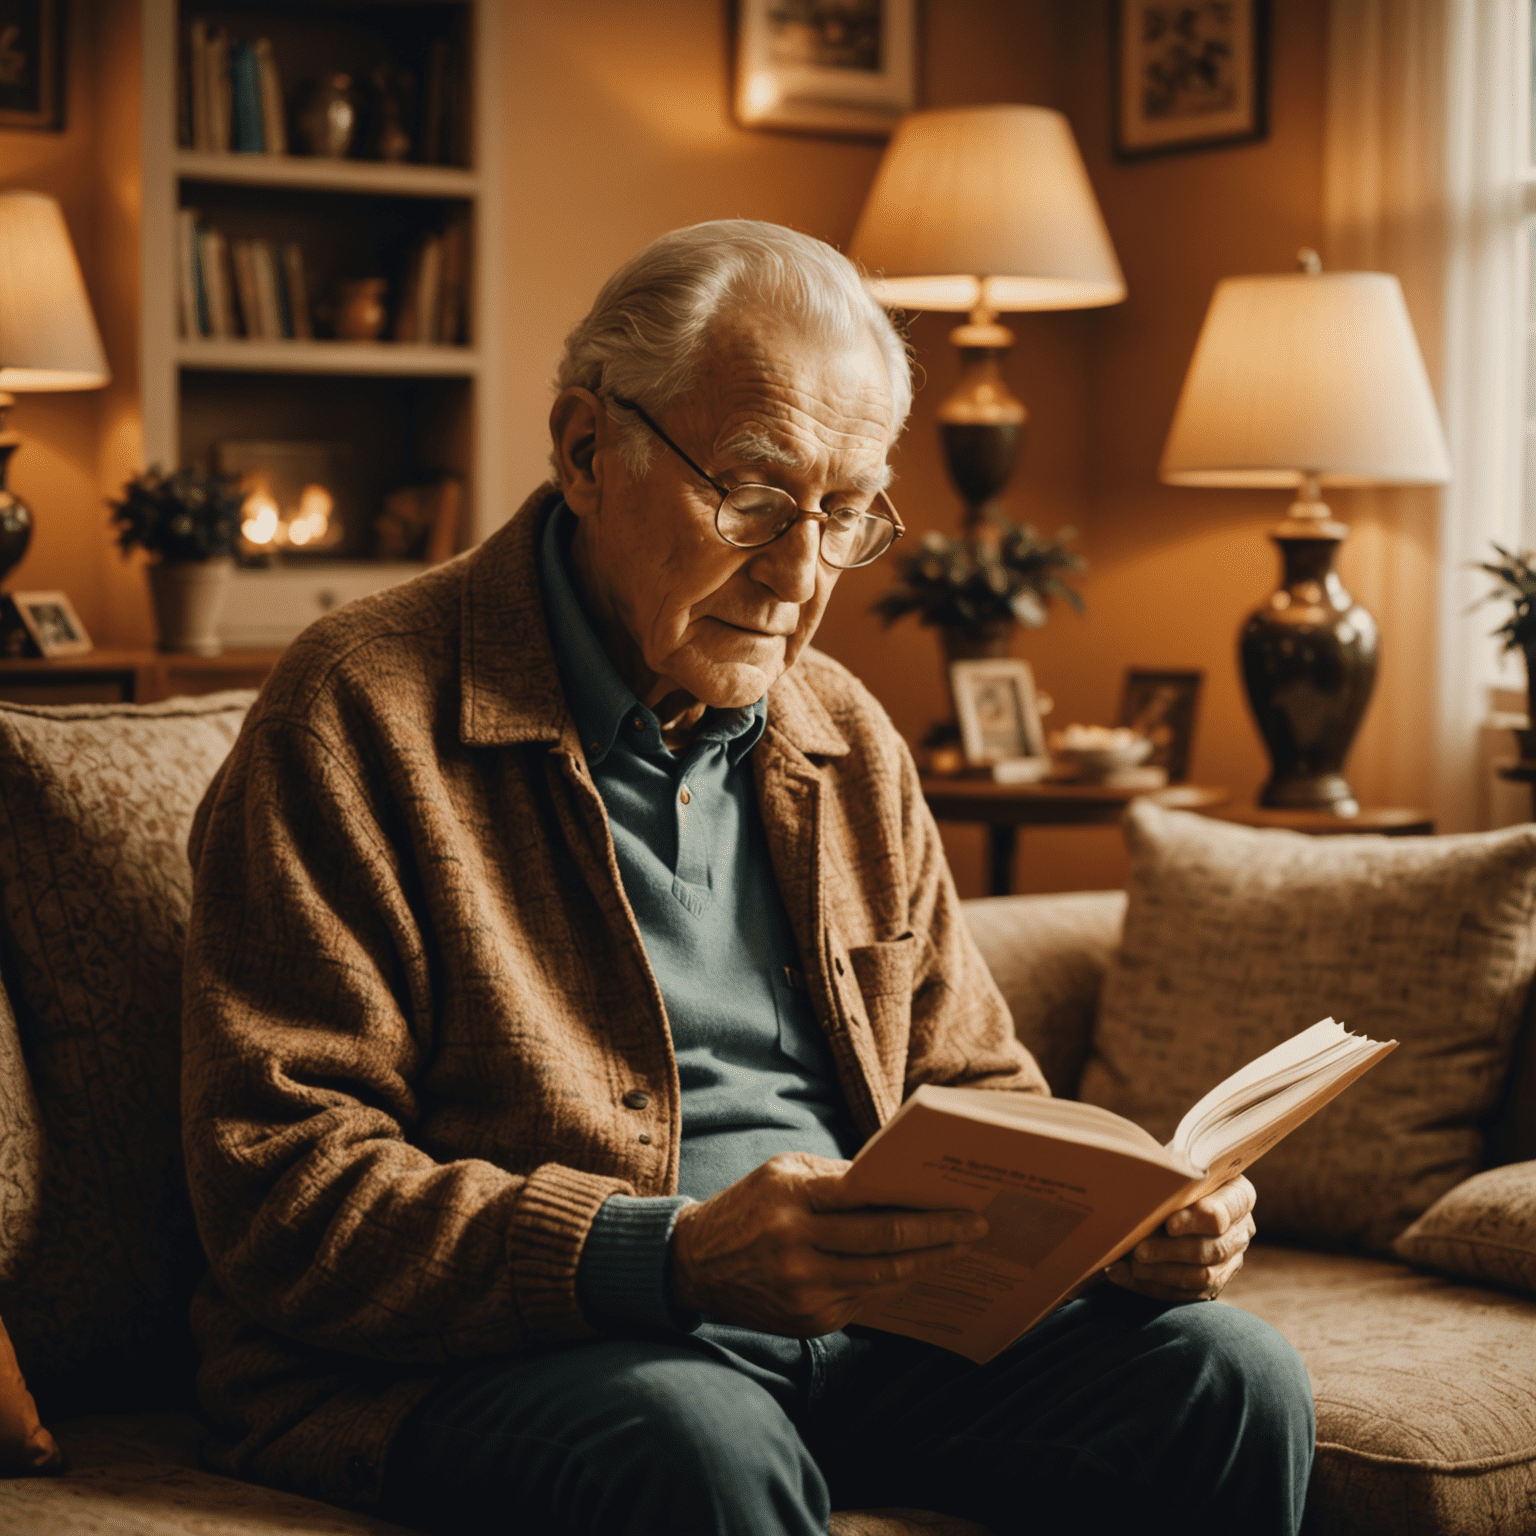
x=1114, y=1413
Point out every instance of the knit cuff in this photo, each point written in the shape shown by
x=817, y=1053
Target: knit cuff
x=621, y=1278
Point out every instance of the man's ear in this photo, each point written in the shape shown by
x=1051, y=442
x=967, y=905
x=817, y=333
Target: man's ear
x=577, y=423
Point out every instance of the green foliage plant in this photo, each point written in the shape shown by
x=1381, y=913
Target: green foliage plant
x=181, y=517
x=996, y=572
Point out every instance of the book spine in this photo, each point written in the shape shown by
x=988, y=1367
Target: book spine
x=186, y=270
x=245, y=286
x=219, y=105
x=214, y=255
x=432, y=145
x=274, y=126
x=197, y=70
x=450, y=321
x=246, y=136
x=428, y=290
x=405, y=316
x=298, y=292
x=267, y=304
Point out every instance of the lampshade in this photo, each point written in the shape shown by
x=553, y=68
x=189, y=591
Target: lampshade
x=48, y=336
x=986, y=206
x=1306, y=372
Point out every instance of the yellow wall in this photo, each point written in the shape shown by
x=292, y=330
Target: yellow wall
x=617, y=128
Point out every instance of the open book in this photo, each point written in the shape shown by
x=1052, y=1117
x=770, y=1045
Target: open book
x=1068, y=1188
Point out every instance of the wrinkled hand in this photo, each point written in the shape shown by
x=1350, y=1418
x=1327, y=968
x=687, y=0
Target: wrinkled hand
x=784, y=1252
x=1196, y=1251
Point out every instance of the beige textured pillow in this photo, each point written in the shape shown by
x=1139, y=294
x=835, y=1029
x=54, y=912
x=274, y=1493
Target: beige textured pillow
x=1236, y=939
x=1485, y=1229
x=97, y=1270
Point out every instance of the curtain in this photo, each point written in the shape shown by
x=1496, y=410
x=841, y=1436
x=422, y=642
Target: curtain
x=1423, y=176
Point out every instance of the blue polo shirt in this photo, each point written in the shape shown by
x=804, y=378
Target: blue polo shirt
x=754, y=1069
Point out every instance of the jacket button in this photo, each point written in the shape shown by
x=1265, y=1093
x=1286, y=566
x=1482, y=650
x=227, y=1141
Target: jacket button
x=645, y=1138
x=636, y=1100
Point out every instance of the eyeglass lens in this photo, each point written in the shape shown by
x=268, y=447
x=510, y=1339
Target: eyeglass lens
x=753, y=515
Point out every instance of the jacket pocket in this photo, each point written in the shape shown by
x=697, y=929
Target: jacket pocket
x=884, y=975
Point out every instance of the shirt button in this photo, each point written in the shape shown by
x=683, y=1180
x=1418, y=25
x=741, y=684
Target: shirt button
x=686, y=796
x=638, y=723
x=637, y=1100
x=645, y=1138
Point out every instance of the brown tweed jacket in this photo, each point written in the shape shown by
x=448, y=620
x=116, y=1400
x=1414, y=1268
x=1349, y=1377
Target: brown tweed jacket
x=416, y=998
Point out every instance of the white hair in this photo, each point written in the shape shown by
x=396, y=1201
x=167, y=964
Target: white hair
x=652, y=320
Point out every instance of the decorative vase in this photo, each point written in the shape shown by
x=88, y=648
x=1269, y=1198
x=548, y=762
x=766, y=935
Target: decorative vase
x=360, y=312
x=1309, y=663
x=329, y=119
x=189, y=601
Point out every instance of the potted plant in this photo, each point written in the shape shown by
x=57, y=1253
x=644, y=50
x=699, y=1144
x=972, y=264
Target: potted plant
x=188, y=523
x=977, y=588
x=1516, y=574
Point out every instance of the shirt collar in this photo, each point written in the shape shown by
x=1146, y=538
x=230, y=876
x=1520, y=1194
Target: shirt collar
x=601, y=704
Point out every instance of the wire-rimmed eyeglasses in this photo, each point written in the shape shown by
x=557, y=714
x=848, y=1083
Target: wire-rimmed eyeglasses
x=751, y=516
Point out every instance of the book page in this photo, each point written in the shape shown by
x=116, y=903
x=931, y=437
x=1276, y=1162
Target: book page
x=1057, y=1209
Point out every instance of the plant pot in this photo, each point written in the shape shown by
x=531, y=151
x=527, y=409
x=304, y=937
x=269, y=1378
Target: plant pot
x=189, y=601
x=966, y=645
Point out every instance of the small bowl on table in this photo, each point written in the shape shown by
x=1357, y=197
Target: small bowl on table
x=1113, y=755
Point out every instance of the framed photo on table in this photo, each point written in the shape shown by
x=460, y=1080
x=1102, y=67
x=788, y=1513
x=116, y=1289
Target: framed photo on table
x=999, y=719
x=1189, y=75
x=825, y=66
x=52, y=623
x=1163, y=705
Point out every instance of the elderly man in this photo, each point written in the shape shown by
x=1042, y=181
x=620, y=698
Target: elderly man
x=563, y=923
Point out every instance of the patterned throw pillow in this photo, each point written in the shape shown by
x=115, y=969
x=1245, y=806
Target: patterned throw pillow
x=1485, y=1229
x=1236, y=939
x=95, y=887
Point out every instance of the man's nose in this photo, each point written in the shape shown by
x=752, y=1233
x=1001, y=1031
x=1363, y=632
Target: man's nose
x=787, y=567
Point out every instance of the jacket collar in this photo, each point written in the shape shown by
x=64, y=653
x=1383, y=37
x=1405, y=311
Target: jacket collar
x=509, y=680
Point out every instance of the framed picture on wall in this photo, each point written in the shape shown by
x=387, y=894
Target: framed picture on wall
x=825, y=66
x=1189, y=75
x=32, y=64
x=1162, y=705
x=999, y=717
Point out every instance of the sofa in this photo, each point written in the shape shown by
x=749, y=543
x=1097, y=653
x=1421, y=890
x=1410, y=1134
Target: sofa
x=1404, y=1270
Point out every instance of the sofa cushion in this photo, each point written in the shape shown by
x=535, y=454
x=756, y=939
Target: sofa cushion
x=94, y=894
x=1485, y=1229
x=1236, y=939
x=1048, y=955
x=1425, y=1393
x=141, y=1475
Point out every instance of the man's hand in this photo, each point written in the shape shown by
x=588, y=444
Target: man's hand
x=1196, y=1251
x=782, y=1251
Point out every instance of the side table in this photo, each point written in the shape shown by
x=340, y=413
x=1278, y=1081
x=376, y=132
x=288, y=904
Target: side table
x=1523, y=772
x=129, y=676
x=1004, y=808
x=1385, y=821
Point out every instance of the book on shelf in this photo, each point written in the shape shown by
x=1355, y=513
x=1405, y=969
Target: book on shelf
x=233, y=288
x=192, y=302
x=274, y=126
x=232, y=94
x=431, y=310
x=1068, y=1188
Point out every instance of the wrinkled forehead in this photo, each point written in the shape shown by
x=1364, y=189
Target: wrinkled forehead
x=771, y=393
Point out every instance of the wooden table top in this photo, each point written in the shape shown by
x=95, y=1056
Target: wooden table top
x=1388, y=820
x=1053, y=802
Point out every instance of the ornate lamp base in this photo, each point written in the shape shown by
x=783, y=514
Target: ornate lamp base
x=1309, y=663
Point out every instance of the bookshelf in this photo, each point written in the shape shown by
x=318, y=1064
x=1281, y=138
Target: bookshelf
x=396, y=411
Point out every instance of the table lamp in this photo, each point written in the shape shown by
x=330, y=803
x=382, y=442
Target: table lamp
x=1307, y=379
x=48, y=336
x=985, y=209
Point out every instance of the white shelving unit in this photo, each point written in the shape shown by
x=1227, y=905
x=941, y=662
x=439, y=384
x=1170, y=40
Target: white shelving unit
x=438, y=405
